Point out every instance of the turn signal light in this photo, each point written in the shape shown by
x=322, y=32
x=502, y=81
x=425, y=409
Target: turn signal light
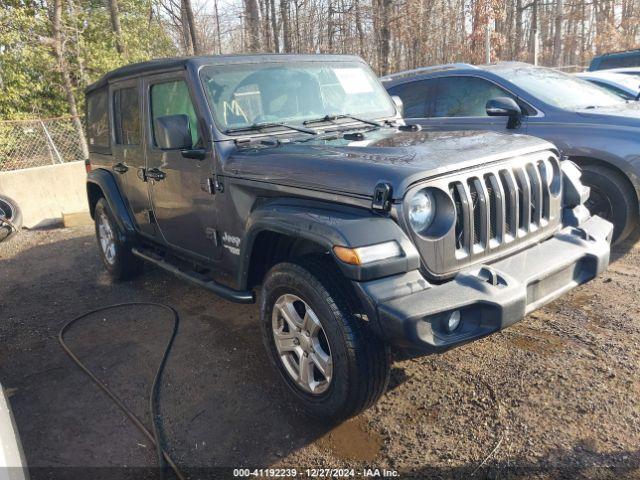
x=371, y=253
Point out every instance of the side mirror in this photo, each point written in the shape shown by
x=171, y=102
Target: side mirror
x=397, y=101
x=505, y=107
x=173, y=132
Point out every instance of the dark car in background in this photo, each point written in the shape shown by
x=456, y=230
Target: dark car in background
x=628, y=58
x=593, y=127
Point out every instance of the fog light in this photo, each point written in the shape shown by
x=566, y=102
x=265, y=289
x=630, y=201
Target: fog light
x=453, y=321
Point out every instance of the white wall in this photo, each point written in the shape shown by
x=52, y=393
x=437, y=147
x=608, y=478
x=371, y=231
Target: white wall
x=44, y=194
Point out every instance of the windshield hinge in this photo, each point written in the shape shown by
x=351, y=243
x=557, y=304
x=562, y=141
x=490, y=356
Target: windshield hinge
x=382, y=197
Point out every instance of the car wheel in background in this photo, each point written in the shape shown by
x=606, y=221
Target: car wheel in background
x=114, y=250
x=611, y=198
x=328, y=358
x=10, y=218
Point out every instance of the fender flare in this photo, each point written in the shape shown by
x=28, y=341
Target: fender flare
x=110, y=191
x=611, y=162
x=328, y=225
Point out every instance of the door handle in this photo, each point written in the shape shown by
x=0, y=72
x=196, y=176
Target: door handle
x=120, y=168
x=156, y=174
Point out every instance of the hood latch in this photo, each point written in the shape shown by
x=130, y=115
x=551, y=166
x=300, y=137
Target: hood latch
x=382, y=197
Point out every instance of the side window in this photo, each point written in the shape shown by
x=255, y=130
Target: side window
x=414, y=97
x=172, y=98
x=126, y=113
x=621, y=61
x=465, y=96
x=98, y=121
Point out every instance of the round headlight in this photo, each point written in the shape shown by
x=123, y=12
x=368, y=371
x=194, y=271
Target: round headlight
x=421, y=210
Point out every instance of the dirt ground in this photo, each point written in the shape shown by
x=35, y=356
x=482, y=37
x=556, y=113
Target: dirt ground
x=556, y=395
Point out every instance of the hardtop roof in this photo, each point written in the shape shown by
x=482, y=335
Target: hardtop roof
x=174, y=63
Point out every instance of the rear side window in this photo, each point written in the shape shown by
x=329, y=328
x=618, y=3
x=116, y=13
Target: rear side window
x=620, y=61
x=414, y=97
x=465, y=96
x=126, y=113
x=172, y=98
x=98, y=121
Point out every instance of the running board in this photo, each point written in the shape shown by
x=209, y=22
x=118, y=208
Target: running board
x=200, y=280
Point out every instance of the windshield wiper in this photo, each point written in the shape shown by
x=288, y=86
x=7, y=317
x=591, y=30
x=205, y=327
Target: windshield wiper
x=332, y=118
x=262, y=126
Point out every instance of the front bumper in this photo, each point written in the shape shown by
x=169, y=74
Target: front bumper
x=412, y=313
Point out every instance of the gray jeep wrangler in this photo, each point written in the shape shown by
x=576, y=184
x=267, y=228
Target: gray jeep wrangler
x=297, y=174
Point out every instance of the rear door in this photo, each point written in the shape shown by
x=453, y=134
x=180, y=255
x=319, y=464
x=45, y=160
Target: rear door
x=459, y=103
x=128, y=150
x=182, y=200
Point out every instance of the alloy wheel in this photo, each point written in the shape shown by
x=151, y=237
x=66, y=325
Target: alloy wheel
x=107, y=239
x=302, y=345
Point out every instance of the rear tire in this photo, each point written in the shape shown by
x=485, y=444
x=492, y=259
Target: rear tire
x=360, y=361
x=611, y=198
x=115, y=251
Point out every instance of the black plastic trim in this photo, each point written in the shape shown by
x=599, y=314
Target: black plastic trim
x=237, y=296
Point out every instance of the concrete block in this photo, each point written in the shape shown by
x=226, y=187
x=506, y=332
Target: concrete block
x=44, y=193
x=76, y=219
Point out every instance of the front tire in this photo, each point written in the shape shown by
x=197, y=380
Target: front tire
x=611, y=198
x=115, y=251
x=329, y=359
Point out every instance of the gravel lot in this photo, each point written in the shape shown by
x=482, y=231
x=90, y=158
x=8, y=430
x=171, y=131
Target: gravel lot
x=556, y=395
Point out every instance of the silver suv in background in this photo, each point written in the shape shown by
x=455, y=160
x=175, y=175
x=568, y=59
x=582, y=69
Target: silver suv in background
x=592, y=127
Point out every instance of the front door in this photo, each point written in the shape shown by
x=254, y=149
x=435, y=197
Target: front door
x=128, y=151
x=183, y=204
x=459, y=103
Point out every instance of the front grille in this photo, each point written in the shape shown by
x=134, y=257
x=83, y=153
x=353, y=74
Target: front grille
x=487, y=212
x=498, y=207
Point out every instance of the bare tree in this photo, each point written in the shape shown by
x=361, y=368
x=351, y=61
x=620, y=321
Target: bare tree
x=286, y=30
x=252, y=24
x=115, y=25
x=557, y=36
x=57, y=43
x=191, y=26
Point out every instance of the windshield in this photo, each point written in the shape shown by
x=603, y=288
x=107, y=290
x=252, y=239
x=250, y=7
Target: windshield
x=560, y=89
x=246, y=95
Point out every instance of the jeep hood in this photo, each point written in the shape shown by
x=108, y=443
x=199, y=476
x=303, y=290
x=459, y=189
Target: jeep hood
x=338, y=165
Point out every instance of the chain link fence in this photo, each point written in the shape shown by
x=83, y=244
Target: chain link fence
x=38, y=142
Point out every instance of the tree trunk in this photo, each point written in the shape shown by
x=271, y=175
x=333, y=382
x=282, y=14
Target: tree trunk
x=185, y=31
x=286, y=29
x=252, y=24
x=274, y=27
x=192, y=26
x=557, y=35
x=58, y=52
x=215, y=6
x=518, y=39
x=533, y=30
x=330, y=26
x=383, y=12
x=115, y=25
x=359, y=28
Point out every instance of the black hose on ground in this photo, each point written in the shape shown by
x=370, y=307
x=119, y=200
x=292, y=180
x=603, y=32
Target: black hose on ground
x=153, y=400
